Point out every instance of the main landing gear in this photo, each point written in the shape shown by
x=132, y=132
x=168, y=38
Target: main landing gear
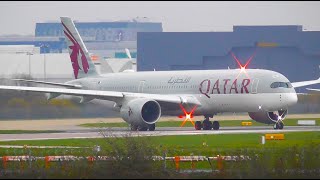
x=207, y=124
x=150, y=127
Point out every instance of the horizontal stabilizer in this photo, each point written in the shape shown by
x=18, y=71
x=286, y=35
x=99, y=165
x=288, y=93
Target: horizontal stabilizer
x=75, y=86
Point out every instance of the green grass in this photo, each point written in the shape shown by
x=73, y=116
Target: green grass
x=27, y=131
x=186, y=144
x=299, y=151
x=223, y=123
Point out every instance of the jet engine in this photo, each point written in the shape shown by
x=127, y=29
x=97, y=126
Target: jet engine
x=141, y=111
x=268, y=117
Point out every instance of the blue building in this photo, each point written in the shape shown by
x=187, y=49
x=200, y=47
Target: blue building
x=46, y=44
x=286, y=49
x=100, y=31
x=101, y=38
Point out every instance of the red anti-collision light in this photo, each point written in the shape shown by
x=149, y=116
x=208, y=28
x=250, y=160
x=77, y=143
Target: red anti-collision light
x=188, y=116
x=243, y=67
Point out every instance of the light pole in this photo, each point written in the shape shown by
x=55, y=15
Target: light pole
x=28, y=53
x=44, y=67
x=45, y=46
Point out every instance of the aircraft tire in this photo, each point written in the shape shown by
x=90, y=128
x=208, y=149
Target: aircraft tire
x=198, y=125
x=281, y=125
x=207, y=125
x=215, y=125
x=151, y=127
x=133, y=127
x=275, y=126
x=142, y=128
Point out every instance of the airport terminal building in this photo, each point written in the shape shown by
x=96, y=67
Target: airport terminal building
x=286, y=49
x=105, y=39
x=45, y=55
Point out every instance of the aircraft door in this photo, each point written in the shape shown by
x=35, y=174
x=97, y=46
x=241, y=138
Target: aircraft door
x=254, y=86
x=141, y=86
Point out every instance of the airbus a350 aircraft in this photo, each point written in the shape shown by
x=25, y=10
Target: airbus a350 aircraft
x=142, y=97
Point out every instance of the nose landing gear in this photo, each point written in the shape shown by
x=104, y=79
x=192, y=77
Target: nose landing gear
x=278, y=125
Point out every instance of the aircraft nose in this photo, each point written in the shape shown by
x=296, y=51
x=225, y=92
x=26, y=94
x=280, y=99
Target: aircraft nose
x=292, y=99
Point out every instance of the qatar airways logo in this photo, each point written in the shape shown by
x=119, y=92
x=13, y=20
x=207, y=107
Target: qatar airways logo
x=221, y=87
x=177, y=80
x=74, y=55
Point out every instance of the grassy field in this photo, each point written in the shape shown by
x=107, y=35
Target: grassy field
x=27, y=131
x=299, y=152
x=175, y=123
x=186, y=144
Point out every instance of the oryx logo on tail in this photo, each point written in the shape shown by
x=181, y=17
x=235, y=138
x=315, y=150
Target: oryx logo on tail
x=74, y=55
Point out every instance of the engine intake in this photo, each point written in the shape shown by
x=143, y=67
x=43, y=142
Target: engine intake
x=141, y=111
x=268, y=117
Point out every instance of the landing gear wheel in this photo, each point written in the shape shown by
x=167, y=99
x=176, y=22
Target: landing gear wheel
x=275, y=126
x=198, y=125
x=134, y=127
x=142, y=128
x=151, y=127
x=215, y=125
x=207, y=125
x=281, y=125
x=278, y=125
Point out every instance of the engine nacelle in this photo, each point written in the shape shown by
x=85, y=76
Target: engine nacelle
x=268, y=117
x=141, y=111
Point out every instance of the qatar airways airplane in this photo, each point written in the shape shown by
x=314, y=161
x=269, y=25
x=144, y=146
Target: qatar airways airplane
x=142, y=97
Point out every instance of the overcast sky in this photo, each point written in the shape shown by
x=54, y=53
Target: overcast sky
x=21, y=17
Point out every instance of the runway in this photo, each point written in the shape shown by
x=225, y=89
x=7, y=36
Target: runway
x=160, y=131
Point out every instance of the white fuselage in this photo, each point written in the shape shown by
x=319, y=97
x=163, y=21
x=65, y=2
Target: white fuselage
x=217, y=90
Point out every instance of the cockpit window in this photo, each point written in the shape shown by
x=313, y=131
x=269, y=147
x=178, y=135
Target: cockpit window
x=289, y=85
x=274, y=85
x=281, y=84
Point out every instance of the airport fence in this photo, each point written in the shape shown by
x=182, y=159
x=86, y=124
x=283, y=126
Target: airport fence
x=134, y=159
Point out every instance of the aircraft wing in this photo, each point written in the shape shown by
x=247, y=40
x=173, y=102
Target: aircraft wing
x=305, y=83
x=107, y=95
x=314, y=90
x=50, y=83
